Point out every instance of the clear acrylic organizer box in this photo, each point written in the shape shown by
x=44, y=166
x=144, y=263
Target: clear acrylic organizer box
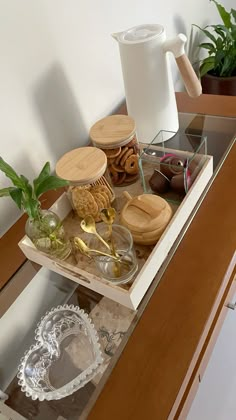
x=169, y=167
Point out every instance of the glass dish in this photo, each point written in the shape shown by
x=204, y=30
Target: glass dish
x=64, y=358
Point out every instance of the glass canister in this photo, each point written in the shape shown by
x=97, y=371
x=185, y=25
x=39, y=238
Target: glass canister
x=86, y=170
x=116, y=136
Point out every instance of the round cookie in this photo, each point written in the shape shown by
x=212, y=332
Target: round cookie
x=103, y=190
x=84, y=202
x=123, y=151
x=125, y=156
x=112, y=153
x=131, y=164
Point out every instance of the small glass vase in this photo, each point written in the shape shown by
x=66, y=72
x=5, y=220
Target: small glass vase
x=48, y=235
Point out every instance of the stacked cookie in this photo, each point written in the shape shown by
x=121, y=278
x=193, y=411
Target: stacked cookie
x=123, y=163
x=90, y=200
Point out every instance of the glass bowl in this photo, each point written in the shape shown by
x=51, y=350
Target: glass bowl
x=65, y=356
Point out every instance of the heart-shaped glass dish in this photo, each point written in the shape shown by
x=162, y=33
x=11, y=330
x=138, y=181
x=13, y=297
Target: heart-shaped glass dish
x=65, y=356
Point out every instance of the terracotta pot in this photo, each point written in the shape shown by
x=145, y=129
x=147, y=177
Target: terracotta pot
x=218, y=85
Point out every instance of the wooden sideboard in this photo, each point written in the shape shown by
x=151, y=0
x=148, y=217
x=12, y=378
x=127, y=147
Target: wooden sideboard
x=163, y=362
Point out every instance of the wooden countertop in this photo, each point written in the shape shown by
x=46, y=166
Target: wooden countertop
x=158, y=358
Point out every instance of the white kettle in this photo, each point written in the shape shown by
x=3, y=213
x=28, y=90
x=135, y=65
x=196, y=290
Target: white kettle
x=148, y=83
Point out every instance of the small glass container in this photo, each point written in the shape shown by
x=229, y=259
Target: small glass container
x=116, y=271
x=90, y=190
x=116, y=136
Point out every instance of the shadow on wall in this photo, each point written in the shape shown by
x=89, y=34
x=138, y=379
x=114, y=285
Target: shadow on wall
x=59, y=113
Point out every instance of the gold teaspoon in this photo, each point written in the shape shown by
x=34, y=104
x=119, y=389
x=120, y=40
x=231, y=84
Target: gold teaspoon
x=84, y=249
x=88, y=225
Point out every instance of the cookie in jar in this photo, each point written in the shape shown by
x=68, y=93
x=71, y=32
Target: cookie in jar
x=116, y=136
x=86, y=170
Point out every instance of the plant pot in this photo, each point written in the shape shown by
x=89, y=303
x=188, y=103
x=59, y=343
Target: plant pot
x=218, y=85
x=48, y=235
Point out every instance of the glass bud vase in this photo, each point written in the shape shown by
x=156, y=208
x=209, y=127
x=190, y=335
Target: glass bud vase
x=48, y=235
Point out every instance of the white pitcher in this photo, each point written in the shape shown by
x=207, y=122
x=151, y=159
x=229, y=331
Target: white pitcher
x=148, y=83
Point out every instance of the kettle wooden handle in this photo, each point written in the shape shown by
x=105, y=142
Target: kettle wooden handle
x=176, y=46
x=191, y=82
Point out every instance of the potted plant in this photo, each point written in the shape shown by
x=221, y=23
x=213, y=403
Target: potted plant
x=218, y=68
x=43, y=227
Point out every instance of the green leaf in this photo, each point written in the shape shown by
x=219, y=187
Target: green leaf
x=16, y=195
x=207, y=46
x=233, y=13
x=31, y=207
x=10, y=173
x=207, y=65
x=222, y=29
x=27, y=188
x=209, y=35
x=225, y=16
x=226, y=67
x=220, y=32
x=5, y=192
x=50, y=183
x=44, y=174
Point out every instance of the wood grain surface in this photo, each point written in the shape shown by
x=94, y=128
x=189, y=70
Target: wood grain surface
x=146, y=381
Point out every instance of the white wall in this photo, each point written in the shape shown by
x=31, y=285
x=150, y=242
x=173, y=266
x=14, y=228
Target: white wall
x=60, y=72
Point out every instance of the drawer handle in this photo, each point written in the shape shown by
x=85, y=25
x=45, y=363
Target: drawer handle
x=231, y=306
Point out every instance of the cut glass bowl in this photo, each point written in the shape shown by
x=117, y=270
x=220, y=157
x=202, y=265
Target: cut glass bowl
x=64, y=358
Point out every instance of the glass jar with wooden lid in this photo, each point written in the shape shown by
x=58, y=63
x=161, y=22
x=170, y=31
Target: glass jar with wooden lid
x=116, y=136
x=86, y=170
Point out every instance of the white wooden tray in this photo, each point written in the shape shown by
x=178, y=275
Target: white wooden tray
x=150, y=258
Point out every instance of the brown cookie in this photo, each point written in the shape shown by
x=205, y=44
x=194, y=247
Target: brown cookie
x=100, y=200
x=113, y=174
x=123, y=151
x=103, y=189
x=84, y=202
x=129, y=152
x=112, y=153
x=117, y=168
x=132, y=142
x=131, y=164
x=121, y=178
x=131, y=178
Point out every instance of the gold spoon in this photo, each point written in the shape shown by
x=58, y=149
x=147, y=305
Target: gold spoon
x=88, y=225
x=108, y=216
x=84, y=249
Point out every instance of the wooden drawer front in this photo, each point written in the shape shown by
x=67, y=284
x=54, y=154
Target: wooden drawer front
x=206, y=345
x=218, y=325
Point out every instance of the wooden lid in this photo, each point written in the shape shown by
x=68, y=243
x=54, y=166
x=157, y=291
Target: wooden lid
x=146, y=216
x=112, y=131
x=82, y=166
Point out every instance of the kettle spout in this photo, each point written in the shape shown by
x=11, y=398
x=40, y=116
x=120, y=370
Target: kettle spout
x=117, y=36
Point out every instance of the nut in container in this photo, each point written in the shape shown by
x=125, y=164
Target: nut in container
x=86, y=170
x=116, y=136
